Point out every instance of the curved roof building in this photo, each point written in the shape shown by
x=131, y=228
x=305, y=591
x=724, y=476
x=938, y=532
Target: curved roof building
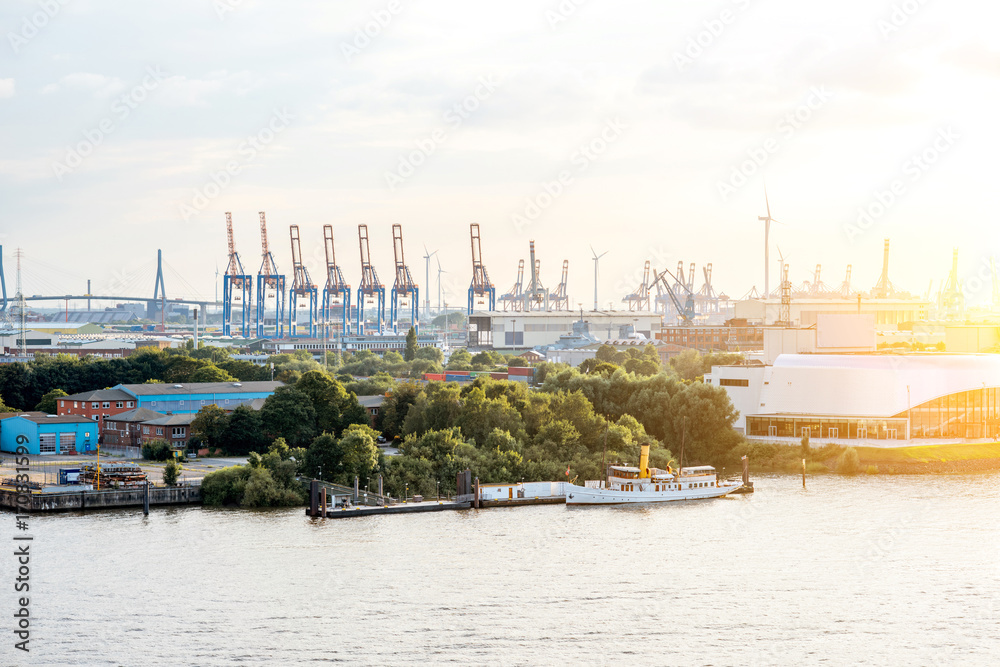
x=877, y=396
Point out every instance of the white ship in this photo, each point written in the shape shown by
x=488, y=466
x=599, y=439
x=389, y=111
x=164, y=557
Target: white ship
x=650, y=485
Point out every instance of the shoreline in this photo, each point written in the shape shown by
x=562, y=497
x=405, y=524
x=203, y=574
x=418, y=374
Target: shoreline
x=943, y=459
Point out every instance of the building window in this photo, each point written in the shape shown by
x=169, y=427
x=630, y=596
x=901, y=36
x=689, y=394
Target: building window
x=731, y=382
x=159, y=430
x=107, y=404
x=145, y=429
x=94, y=406
x=119, y=404
x=178, y=432
x=130, y=404
x=62, y=404
x=74, y=404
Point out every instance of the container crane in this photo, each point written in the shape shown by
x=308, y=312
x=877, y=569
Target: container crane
x=302, y=285
x=685, y=312
x=237, y=288
x=639, y=299
x=560, y=298
x=481, y=290
x=268, y=278
x=336, y=293
x=536, y=297
x=371, y=288
x=512, y=299
x=404, y=290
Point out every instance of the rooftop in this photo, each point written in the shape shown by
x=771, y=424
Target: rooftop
x=167, y=389
x=137, y=415
x=42, y=418
x=98, y=395
x=172, y=420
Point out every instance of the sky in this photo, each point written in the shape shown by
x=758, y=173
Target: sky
x=646, y=130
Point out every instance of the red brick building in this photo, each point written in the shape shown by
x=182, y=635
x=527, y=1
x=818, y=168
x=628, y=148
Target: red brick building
x=96, y=405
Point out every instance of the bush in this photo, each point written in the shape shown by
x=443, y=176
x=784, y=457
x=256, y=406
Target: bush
x=848, y=462
x=871, y=470
x=171, y=472
x=156, y=450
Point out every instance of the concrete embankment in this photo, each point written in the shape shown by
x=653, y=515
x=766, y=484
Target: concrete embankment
x=77, y=500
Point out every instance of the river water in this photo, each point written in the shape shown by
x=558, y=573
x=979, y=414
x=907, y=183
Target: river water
x=866, y=570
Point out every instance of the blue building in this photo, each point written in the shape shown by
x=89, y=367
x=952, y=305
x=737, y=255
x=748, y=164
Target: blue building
x=187, y=398
x=48, y=434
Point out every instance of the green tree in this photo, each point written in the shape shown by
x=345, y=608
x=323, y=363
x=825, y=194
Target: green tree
x=359, y=452
x=289, y=413
x=157, y=450
x=324, y=458
x=210, y=424
x=429, y=353
x=244, y=432
x=329, y=400
x=395, y=408
x=411, y=345
x=210, y=373
x=519, y=362
x=171, y=472
x=460, y=360
x=48, y=403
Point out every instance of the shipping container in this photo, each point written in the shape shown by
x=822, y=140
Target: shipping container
x=498, y=376
x=449, y=377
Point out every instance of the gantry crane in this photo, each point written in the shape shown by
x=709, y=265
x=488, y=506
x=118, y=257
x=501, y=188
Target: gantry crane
x=512, y=299
x=302, y=285
x=237, y=287
x=639, y=299
x=404, y=290
x=560, y=298
x=536, y=297
x=481, y=290
x=337, y=293
x=685, y=312
x=268, y=278
x=371, y=288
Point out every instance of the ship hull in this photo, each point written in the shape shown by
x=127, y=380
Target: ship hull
x=581, y=495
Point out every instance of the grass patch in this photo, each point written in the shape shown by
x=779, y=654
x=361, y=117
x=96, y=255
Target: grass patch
x=929, y=453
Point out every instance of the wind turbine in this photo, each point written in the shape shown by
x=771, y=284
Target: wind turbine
x=767, y=220
x=781, y=269
x=440, y=271
x=597, y=259
x=427, y=279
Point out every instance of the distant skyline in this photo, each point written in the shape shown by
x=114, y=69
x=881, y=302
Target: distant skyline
x=641, y=129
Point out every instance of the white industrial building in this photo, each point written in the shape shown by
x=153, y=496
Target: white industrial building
x=812, y=381
x=526, y=330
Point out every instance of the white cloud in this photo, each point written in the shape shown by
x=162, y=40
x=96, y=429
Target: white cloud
x=6, y=88
x=98, y=85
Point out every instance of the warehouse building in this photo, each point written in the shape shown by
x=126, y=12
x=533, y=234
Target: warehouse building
x=191, y=397
x=526, y=330
x=829, y=383
x=48, y=434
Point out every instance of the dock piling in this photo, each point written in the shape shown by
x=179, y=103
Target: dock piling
x=145, y=499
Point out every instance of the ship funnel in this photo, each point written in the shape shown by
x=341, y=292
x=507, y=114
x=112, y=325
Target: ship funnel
x=644, y=461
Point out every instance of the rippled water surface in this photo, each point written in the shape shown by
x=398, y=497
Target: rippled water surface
x=872, y=570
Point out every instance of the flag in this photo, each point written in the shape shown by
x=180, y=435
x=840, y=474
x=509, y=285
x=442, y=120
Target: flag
x=567, y=471
x=744, y=458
